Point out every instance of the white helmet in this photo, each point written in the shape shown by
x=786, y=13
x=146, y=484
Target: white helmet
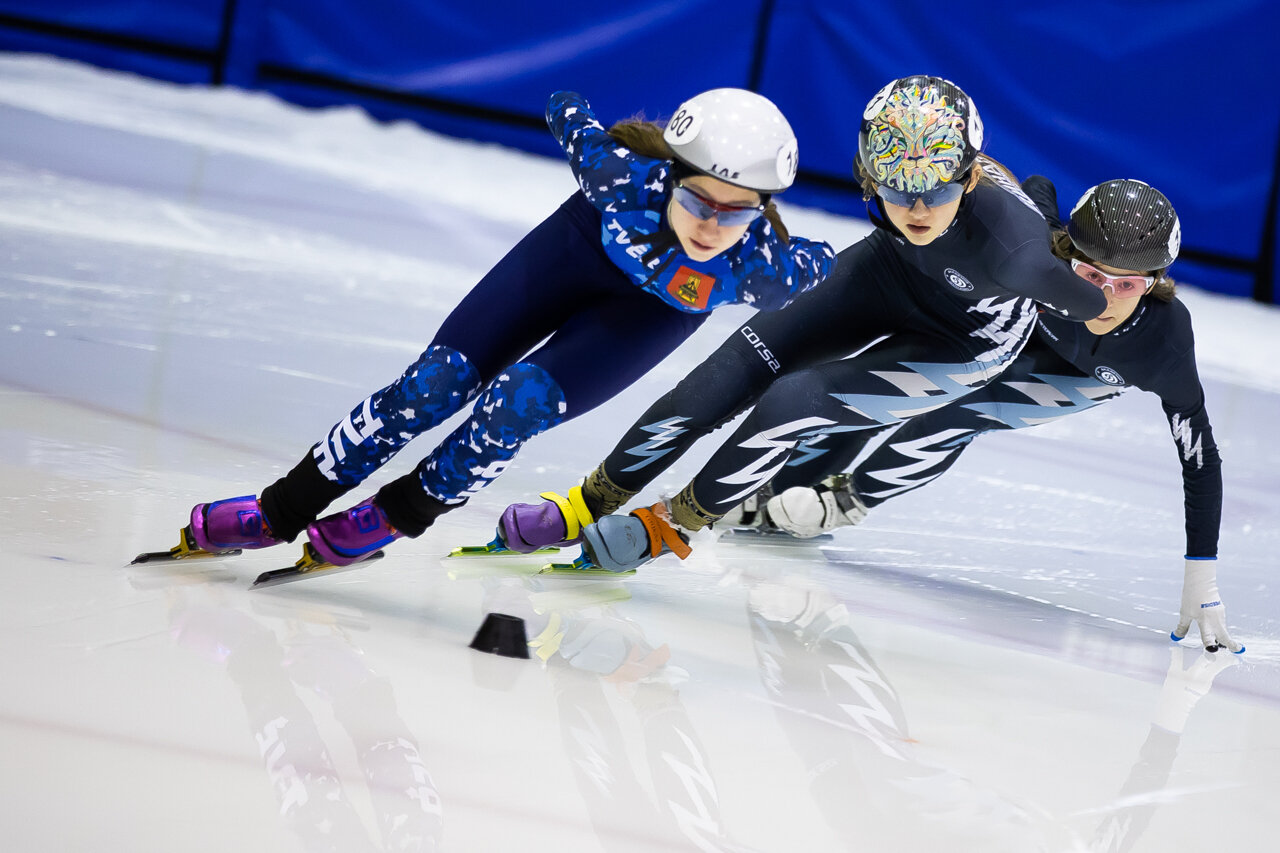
x=737, y=136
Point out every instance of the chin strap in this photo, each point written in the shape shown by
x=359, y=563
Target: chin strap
x=878, y=217
x=659, y=242
x=664, y=239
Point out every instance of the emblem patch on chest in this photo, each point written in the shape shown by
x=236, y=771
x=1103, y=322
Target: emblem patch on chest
x=691, y=288
x=1108, y=375
x=957, y=281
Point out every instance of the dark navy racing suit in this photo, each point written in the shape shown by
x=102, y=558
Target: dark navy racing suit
x=933, y=324
x=1064, y=369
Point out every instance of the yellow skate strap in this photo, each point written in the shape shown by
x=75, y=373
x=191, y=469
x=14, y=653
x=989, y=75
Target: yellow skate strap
x=580, y=506
x=660, y=532
x=573, y=508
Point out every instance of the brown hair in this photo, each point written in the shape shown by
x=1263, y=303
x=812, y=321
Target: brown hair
x=645, y=138
x=1164, y=289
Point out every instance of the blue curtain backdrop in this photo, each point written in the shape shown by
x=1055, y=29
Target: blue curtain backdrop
x=1172, y=92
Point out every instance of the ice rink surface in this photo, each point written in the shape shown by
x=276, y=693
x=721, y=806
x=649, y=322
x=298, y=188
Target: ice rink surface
x=195, y=285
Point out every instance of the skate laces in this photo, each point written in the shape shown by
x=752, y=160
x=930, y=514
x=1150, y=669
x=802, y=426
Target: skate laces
x=754, y=511
x=840, y=488
x=600, y=491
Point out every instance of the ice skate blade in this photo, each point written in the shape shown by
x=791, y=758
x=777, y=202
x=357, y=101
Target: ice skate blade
x=309, y=565
x=756, y=536
x=185, y=550
x=170, y=556
x=496, y=548
x=582, y=567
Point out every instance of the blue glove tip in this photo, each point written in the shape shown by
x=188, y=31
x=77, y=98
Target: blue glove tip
x=1241, y=651
x=1175, y=637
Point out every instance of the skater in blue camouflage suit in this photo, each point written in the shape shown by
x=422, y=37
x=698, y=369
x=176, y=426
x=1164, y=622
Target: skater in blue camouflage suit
x=669, y=224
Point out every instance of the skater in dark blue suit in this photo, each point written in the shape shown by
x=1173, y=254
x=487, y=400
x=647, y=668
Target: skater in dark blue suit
x=1122, y=237
x=669, y=224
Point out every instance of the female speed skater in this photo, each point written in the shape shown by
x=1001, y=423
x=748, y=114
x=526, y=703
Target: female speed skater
x=669, y=224
x=1122, y=236
x=949, y=279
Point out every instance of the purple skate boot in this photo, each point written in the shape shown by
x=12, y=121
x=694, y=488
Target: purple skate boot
x=352, y=535
x=554, y=523
x=219, y=529
x=231, y=524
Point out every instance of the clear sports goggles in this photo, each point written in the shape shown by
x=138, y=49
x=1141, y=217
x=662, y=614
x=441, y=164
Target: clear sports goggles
x=724, y=214
x=1123, y=286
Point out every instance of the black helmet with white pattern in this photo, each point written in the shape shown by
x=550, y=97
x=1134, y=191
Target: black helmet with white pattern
x=1126, y=224
x=737, y=136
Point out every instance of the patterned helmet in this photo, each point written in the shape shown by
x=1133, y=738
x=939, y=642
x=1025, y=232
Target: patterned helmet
x=737, y=136
x=919, y=133
x=1126, y=224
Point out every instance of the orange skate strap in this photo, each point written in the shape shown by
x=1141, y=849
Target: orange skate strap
x=659, y=532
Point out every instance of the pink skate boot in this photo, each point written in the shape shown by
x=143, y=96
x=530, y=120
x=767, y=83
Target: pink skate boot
x=229, y=525
x=352, y=535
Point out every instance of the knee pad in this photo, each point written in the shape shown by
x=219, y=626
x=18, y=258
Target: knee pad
x=435, y=386
x=523, y=401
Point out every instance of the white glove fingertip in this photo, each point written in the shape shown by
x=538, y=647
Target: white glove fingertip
x=1209, y=635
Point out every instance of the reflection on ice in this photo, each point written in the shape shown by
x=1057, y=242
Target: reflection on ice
x=814, y=667
x=594, y=654
x=271, y=672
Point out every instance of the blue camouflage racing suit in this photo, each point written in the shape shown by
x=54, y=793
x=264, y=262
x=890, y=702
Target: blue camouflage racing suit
x=578, y=310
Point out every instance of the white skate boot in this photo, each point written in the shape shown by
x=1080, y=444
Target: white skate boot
x=809, y=511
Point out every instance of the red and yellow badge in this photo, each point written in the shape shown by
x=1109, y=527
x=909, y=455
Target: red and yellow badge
x=691, y=288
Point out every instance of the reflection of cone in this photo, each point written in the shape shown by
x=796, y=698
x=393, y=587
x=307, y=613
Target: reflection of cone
x=502, y=635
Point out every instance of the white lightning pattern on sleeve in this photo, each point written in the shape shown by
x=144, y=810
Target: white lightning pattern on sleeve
x=1187, y=440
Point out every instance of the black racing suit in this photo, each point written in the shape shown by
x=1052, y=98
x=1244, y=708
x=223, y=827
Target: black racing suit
x=952, y=314
x=1063, y=370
